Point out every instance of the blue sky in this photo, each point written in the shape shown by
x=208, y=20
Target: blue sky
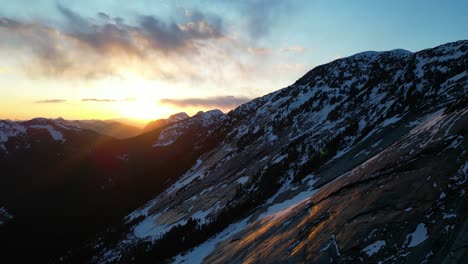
x=138, y=54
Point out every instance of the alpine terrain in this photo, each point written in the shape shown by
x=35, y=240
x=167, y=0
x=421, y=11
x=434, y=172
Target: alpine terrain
x=362, y=160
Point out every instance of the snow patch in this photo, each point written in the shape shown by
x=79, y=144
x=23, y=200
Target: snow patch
x=196, y=255
x=9, y=129
x=332, y=243
x=391, y=120
x=418, y=236
x=56, y=135
x=243, y=180
x=280, y=209
x=279, y=158
x=376, y=144
x=4, y=215
x=149, y=228
x=448, y=216
x=374, y=248
x=201, y=215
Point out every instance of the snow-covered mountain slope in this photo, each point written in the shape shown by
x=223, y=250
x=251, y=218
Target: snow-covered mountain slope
x=57, y=128
x=177, y=127
x=4, y=216
x=306, y=144
x=163, y=122
x=11, y=132
x=405, y=204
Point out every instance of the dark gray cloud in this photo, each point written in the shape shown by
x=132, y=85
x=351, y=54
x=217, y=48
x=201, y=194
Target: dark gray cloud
x=103, y=16
x=90, y=48
x=74, y=20
x=160, y=35
x=9, y=23
x=173, y=36
x=99, y=100
x=50, y=101
x=223, y=102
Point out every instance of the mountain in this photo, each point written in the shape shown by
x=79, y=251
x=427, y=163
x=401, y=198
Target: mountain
x=104, y=127
x=64, y=184
x=361, y=160
x=163, y=122
x=111, y=128
x=129, y=121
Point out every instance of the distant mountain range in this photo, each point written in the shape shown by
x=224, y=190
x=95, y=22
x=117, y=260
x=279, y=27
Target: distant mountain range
x=362, y=160
x=111, y=128
x=116, y=128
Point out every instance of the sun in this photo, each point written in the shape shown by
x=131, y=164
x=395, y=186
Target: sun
x=144, y=109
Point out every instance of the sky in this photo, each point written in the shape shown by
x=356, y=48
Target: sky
x=145, y=60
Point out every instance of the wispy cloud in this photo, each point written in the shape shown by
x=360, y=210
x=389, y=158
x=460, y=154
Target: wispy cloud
x=50, y=101
x=222, y=102
x=107, y=100
x=260, y=15
x=99, y=100
x=258, y=50
x=295, y=48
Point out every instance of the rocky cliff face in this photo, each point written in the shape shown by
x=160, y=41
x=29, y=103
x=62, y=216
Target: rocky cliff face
x=361, y=160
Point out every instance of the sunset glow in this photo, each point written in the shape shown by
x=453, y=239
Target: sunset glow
x=153, y=59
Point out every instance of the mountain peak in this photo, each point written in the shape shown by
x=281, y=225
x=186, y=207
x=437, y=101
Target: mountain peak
x=177, y=117
x=210, y=116
x=210, y=113
x=165, y=121
x=373, y=54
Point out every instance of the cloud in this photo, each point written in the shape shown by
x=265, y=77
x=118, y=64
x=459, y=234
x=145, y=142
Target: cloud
x=260, y=15
x=150, y=32
x=99, y=100
x=103, y=16
x=258, y=50
x=222, y=102
x=90, y=48
x=50, y=101
x=175, y=36
x=107, y=100
x=295, y=48
x=40, y=40
x=189, y=47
